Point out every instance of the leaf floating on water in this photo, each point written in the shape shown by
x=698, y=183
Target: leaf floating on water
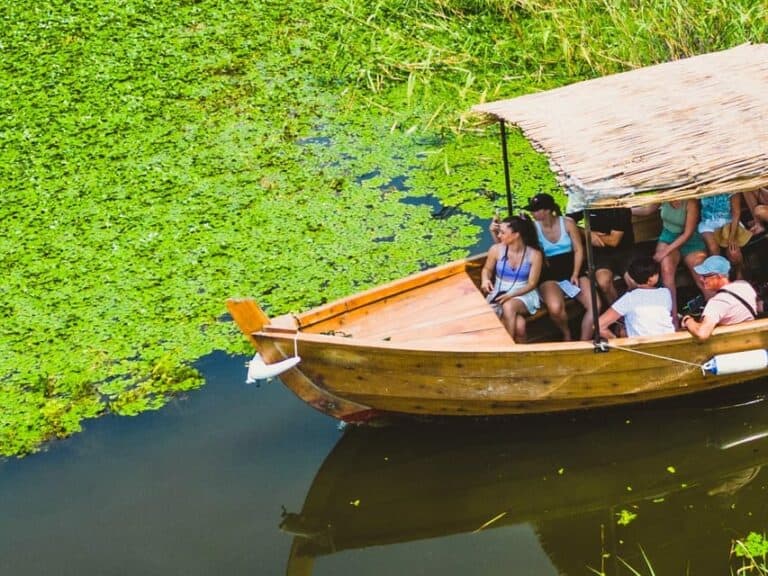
x=625, y=517
x=671, y=469
x=561, y=471
x=491, y=521
x=355, y=502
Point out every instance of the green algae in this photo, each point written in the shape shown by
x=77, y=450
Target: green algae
x=159, y=157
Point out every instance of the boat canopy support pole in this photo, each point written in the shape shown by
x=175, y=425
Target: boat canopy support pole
x=505, y=158
x=592, y=283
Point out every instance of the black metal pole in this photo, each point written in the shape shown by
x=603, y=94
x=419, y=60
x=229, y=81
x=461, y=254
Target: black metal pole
x=505, y=157
x=592, y=281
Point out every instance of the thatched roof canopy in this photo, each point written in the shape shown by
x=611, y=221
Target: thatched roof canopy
x=687, y=128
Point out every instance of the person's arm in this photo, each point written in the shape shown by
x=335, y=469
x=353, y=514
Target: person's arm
x=701, y=330
x=751, y=200
x=494, y=227
x=578, y=249
x=489, y=270
x=734, y=250
x=612, y=239
x=605, y=321
x=537, y=261
x=691, y=222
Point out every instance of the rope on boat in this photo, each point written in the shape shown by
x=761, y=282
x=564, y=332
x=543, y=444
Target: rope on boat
x=658, y=356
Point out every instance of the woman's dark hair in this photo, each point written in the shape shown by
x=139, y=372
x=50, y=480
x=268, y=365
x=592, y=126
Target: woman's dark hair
x=523, y=224
x=642, y=268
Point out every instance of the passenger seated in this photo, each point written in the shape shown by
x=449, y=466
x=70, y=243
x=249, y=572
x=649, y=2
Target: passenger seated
x=613, y=240
x=561, y=243
x=679, y=238
x=733, y=301
x=719, y=226
x=646, y=308
x=515, y=264
x=757, y=202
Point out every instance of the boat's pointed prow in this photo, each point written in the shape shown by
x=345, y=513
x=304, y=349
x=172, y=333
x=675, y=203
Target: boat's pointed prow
x=248, y=316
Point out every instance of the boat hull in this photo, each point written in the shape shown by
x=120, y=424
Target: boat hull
x=522, y=379
x=430, y=345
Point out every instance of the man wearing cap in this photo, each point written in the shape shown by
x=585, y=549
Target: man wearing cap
x=733, y=302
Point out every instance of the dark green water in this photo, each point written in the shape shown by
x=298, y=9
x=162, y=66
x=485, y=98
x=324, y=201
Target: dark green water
x=200, y=486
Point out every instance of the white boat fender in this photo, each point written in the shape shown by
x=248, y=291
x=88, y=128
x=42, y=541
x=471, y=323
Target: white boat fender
x=736, y=362
x=258, y=370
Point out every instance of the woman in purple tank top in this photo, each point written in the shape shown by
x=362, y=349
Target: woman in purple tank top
x=511, y=273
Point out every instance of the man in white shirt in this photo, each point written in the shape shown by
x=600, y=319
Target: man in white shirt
x=646, y=308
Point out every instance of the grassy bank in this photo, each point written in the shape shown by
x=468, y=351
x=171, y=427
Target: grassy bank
x=160, y=156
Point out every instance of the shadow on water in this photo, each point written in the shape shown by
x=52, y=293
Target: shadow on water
x=679, y=479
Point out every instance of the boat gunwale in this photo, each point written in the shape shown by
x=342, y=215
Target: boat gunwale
x=752, y=327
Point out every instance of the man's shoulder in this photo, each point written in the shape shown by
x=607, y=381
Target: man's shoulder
x=741, y=287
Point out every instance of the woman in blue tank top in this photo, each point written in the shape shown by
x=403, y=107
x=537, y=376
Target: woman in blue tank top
x=563, y=249
x=511, y=273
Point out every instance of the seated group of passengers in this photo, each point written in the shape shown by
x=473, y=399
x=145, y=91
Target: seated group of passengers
x=544, y=259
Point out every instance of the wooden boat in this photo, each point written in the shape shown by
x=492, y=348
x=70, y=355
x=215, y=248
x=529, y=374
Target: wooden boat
x=429, y=343
x=383, y=486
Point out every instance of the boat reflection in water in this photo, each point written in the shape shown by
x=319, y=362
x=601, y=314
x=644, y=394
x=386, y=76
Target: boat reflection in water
x=691, y=475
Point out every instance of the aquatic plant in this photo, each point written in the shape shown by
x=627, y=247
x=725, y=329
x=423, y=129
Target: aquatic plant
x=753, y=551
x=160, y=156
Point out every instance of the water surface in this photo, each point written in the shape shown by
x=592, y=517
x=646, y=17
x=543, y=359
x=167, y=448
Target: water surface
x=202, y=486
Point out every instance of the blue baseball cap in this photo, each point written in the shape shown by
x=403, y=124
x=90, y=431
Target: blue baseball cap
x=713, y=265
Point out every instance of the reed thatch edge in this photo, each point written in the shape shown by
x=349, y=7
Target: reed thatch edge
x=682, y=129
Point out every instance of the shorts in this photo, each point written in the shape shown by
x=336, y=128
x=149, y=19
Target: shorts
x=530, y=299
x=694, y=244
x=712, y=225
x=613, y=259
x=556, y=268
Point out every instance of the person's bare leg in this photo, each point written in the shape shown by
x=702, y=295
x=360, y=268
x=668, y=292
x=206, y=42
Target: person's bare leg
x=585, y=299
x=604, y=278
x=511, y=309
x=521, y=326
x=508, y=318
x=668, y=269
x=712, y=247
x=555, y=303
x=694, y=259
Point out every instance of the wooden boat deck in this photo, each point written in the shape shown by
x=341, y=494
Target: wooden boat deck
x=445, y=312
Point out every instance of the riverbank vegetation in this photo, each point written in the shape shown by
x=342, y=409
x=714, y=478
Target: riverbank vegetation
x=158, y=157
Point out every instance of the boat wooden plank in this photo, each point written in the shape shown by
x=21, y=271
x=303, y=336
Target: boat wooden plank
x=248, y=315
x=489, y=336
x=499, y=406
x=433, y=295
x=571, y=378
x=439, y=301
x=483, y=327
x=372, y=295
x=307, y=390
